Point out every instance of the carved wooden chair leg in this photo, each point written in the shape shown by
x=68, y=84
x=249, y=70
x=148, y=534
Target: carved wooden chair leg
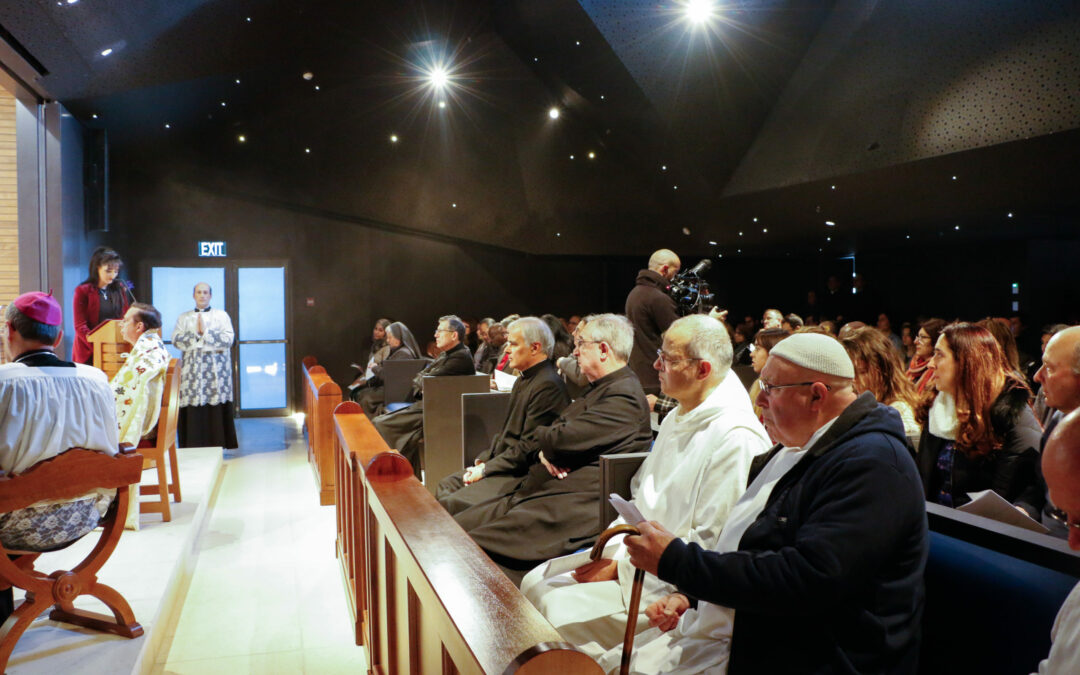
x=121, y=623
x=635, y=592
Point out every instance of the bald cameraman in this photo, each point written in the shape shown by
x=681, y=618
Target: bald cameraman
x=651, y=310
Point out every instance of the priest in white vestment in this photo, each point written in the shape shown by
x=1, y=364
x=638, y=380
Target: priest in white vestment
x=696, y=471
x=205, y=336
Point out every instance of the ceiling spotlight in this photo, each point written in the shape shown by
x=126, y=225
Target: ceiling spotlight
x=238, y=80
x=592, y=155
x=765, y=229
x=686, y=231
x=828, y=238
x=832, y=187
x=676, y=187
x=712, y=243
x=957, y=227
x=907, y=236
x=454, y=205
x=740, y=234
x=553, y=113
x=700, y=12
x=601, y=97
x=242, y=138
x=106, y=51
x=536, y=60
x=72, y=2
x=954, y=177
x=94, y=116
x=571, y=156
x=223, y=104
x=830, y=223
x=168, y=126
x=437, y=77
x=248, y=19
x=663, y=167
x=393, y=138
x=307, y=151
x=577, y=42
x=442, y=104
x=558, y=234
x=308, y=75
x=1009, y=214
x=316, y=87
x=755, y=220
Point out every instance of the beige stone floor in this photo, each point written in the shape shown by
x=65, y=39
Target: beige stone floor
x=266, y=594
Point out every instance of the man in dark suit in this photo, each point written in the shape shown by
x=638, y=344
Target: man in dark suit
x=403, y=430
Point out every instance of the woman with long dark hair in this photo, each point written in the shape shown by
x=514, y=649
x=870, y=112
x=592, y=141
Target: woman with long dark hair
x=101, y=297
x=878, y=370
x=979, y=432
x=919, y=370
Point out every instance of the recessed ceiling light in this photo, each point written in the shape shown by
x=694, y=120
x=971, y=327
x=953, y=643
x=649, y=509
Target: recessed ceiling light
x=828, y=238
x=755, y=220
x=832, y=187
x=592, y=155
x=168, y=126
x=907, y=236
x=764, y=229
x=571, y=156
x=536, y=60
x=106, y=51
x=663, y=167
x=739, y=251
x=957, y=227
x=308, y=75
x=686, y=231
x=712, y=243
x=553, y=113
x=393, y=138
x=223, y=104
x=1009, y=214
x=238, y=80
x=676, y=187
x=442, y=104
x=601, y=97
x=577, y=42
x=307, y=151
x=558, y=234
x=954, y=177
x=699, y=12
x=740, y=234
x=242, y=138
x=454, y=205
x=830, y=223
x=719, y=255
x=70, y=2
x=248, y=19
x=94, y=116
x=316, y=87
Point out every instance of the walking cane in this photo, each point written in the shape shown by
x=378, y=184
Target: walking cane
x=635, y=592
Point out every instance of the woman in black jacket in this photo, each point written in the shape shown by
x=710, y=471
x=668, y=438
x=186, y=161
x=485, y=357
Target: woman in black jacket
x=979, y=432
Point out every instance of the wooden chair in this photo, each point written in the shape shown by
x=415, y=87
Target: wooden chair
x=616, y=474
x=154, y=451
x=70, y=474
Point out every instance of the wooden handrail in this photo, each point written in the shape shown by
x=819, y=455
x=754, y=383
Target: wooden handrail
x=321, y=396
x=416, y=581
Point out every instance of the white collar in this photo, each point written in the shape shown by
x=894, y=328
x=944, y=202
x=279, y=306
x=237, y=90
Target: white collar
x=943, y=421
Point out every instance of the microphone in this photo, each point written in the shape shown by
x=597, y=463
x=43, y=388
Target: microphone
x=700, y=268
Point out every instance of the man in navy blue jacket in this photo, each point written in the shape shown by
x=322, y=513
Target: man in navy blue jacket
x=819, y=567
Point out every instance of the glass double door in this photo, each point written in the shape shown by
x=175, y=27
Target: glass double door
x=254, y=294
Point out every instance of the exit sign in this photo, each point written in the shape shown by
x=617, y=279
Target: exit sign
x=211, y=249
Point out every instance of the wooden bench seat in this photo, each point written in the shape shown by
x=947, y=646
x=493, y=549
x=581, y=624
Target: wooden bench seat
x=321, y=396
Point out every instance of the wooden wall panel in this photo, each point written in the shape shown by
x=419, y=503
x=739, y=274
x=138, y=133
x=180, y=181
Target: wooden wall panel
x=9, y=221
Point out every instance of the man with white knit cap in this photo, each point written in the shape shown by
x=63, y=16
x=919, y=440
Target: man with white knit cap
x=819, y=567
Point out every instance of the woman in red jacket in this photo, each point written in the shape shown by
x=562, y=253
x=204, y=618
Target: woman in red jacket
x=100, y=298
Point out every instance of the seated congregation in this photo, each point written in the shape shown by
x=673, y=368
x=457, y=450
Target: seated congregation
x=796, y=512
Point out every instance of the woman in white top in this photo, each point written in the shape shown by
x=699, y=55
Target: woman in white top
x=878, y=370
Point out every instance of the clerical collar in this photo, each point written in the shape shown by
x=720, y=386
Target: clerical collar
x=42, y=358
x=203, y=310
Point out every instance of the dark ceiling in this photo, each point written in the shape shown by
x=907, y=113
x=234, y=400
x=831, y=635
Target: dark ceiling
x=751, y=134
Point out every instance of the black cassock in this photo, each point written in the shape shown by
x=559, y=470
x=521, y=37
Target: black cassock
x=545, y=517
x=536, y=400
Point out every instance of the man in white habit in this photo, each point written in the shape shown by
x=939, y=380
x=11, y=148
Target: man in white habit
x=205, y=336
x=696, y=471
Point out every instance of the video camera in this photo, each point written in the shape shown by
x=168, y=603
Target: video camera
x=690, y=292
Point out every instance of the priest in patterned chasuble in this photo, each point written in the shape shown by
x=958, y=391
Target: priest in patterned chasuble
x=205, y=336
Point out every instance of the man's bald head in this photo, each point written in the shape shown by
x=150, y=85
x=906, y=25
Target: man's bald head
x=665, y=263
x=1061, y=467
x=1060, y=371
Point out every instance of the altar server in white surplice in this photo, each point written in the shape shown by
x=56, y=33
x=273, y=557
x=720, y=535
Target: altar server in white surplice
x=696, y=471
x=205, y=336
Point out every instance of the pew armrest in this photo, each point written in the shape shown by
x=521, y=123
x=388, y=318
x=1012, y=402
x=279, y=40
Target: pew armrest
x=616, y=472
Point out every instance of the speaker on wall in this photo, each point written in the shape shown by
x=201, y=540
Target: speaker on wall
x=96, y=180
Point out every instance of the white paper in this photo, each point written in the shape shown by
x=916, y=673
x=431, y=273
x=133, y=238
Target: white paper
x=627, y=510
x=357, y=366
x=568, y=563
x=504, y=381
x=990, y=504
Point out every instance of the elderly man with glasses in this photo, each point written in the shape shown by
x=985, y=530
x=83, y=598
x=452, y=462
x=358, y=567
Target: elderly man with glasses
x=694, y=474
x=550, y=510
x=819, y=567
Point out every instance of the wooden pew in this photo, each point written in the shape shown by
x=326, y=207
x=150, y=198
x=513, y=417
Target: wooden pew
x=321, y=396
x=482, y=417
x=443, y=453
x=424, y=597
x=305, y=365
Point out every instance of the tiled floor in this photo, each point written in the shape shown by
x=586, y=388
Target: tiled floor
x=266, y=595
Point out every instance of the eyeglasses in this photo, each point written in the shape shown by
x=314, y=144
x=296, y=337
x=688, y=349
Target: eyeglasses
x=667, y=360
x=766, y=387
x=579, y=343
x=444, y=330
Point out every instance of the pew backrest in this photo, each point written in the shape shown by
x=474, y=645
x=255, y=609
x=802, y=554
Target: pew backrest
x=992, y=593
x=443, y=453
x=321, y=396
x=425, y=597
x=397, y=377
x=482, y=417
x=616, y=472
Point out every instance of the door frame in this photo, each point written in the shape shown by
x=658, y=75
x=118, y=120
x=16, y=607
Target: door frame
x=232, y=306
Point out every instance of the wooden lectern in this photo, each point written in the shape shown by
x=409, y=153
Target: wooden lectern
x=108, y=345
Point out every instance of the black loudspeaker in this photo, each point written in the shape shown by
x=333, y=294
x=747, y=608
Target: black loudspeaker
x=96, y=180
